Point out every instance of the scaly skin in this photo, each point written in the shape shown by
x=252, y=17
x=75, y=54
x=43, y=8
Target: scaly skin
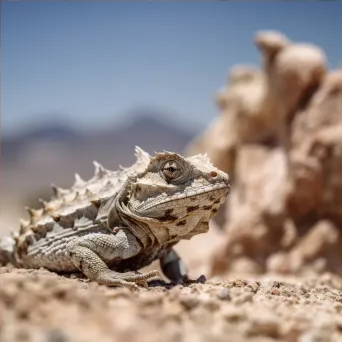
x=120, y=221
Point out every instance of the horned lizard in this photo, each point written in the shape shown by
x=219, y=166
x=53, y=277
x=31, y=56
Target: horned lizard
x=120, y=221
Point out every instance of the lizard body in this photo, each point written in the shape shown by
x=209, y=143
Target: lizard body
x=120, y=221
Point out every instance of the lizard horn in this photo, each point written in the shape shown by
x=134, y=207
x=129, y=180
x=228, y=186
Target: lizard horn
x=100, y=171
x=78, y=181
x=33, y=212
x=58, y=192
x=89, y=193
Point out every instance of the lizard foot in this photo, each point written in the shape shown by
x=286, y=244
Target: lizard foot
x=128, y=279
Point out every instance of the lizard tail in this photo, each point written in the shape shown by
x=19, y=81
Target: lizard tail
x=7, y=248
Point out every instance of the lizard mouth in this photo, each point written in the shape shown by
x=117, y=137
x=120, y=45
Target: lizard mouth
x=212, y=192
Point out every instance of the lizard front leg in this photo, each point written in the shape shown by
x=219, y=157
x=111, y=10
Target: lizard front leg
x=175, y=269
x=89, y=253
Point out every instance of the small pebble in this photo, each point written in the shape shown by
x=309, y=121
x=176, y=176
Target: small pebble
x=224, y=294
x=275, y=291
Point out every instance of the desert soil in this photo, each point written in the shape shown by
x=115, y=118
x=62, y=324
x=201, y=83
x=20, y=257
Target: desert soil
x=41, y=306
x=37, y=305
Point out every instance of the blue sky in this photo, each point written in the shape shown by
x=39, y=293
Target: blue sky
x=90, y=62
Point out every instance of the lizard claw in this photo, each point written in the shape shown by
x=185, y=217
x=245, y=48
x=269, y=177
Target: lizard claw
x=143, y=283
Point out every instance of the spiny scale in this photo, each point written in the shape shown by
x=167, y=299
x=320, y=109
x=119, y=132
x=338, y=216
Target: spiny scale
x=49, y=206
x=100, y=171
x=89, y=193
x=83, y=199
x=77, y=196
x=24, y=224
x=62, y=198
x=78, y=181
x=34, y=213
x=44, y=203
x=58, y=192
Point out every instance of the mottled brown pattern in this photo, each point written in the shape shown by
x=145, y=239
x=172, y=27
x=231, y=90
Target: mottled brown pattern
x=192, y=208
x=181, y=223
x=167, y=216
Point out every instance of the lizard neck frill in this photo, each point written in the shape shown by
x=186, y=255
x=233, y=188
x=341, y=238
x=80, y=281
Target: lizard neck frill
x=147, y=230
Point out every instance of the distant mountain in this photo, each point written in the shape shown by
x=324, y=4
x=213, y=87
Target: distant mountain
x=145, y=131
x=53, y=153
x=12, y=145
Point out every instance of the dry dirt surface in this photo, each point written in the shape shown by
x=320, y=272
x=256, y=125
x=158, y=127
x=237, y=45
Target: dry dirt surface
x=37, y=305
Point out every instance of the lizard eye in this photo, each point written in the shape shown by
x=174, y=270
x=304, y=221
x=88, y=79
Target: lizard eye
x=171, y=170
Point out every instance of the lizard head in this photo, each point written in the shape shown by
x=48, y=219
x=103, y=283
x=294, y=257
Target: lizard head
x=174, y=191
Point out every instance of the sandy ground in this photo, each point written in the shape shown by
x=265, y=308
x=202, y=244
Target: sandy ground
x=37, y=305
x=42, y=306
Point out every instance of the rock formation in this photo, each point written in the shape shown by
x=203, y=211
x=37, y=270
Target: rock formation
x=279, y=136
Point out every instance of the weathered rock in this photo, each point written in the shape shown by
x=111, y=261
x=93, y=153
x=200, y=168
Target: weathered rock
x=319, y=248
x=316, y=155
x=270, y=43
x=279, y=136
x=256, y=208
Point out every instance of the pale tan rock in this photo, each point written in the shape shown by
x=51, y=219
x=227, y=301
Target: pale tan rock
x=319, y=247
x=293, y=72
x=318, y=242
x=285, y=157
x=297, y=72
x=324, y=109
x=278, y=263
x=316, y=154
x=270, y=43
x=256, y=204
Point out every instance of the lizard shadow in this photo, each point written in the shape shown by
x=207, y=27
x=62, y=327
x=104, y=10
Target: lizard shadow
x=169, y=285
